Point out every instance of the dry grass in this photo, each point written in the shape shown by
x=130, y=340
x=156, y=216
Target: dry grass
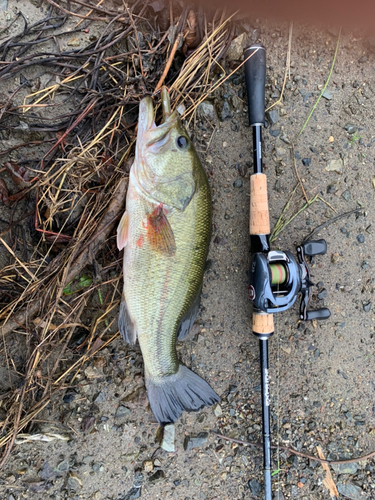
x=77, y=188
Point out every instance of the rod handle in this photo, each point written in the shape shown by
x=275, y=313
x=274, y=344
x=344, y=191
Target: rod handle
x=259, y=213
x=263, y=324
x=255, y=76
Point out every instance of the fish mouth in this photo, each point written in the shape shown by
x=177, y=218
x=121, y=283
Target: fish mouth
x=148, y=132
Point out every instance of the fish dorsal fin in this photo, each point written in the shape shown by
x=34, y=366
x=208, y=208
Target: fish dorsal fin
x=159, y=232
x=122, y=231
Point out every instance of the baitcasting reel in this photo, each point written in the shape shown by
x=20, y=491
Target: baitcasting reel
x=276, y=278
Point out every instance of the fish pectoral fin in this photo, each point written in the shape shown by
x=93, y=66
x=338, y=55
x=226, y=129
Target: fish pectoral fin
x=126, y=324
x=159, y=232
x=122, y=231
x=188, y=319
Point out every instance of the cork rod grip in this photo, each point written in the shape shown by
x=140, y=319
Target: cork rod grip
x=259, y=214
x=263, y=323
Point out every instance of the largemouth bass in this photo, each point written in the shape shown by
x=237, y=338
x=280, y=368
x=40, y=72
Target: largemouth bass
x=165, y=234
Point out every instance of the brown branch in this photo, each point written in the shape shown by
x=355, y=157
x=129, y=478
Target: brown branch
x=295, y=452
x=169, y=62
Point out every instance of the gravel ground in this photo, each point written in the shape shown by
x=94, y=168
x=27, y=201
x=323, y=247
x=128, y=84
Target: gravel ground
x=322, y=387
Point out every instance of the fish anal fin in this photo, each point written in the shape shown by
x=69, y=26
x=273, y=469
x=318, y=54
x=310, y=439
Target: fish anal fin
x=188, y=319
x=126, y=324
x=122, y=231
x=159, y=232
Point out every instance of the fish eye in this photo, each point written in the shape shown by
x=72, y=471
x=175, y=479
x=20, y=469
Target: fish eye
x=182, y=142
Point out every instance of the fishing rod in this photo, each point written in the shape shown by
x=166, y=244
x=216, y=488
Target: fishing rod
x=276, y=277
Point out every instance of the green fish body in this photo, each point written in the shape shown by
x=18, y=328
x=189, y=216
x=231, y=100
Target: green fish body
x=165, y=234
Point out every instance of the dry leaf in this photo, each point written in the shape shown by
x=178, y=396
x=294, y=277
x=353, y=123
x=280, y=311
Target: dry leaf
x=4, y=195
x=328, y=480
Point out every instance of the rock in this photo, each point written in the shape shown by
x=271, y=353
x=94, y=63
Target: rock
x=273, y=116
x=274, y=132
x=74, y=482
x=74, y=42
x=255, y=487
x=285, y=139
x=223, y=109
x=332, y=188
x=280, y=153
x=122, y=412
x=322, y=294
x=363, y=59
x=306, y=162
x=238, y=183
x=350, y=128
x=236, y=48
x=167, y=442
x=159, y=474
x=278, y=495
x=195, y=441
x=335, y=166
x=327, y=95
x=100, y=397
x=345, y=468
x=132, y=494
x=206, y=110
x=351, y=491
x=148, y=465
x=218, y=411
x=347, y=195
x=367, y=306
x=360, y=238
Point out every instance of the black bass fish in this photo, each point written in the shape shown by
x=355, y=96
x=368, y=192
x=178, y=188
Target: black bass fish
x=165, y=234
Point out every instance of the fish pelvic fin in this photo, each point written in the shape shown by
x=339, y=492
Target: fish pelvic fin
x=126, y=325
x=182, y=391
x=159, y=232
x=122, y=231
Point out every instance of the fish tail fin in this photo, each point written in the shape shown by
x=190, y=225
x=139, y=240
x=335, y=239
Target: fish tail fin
x=182, y=391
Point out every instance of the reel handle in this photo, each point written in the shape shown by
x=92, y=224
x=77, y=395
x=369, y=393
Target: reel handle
x=255, y=76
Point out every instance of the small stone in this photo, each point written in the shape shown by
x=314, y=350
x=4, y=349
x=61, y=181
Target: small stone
x=195, y=441
x=285, y=139
x=238, y=183
x=331, y=138
x=223, y=109
x=322, y=294
x=360, y=238
x=347, y=195
x=122, y=412
x=350, y=128
x=207, y=110
x=351, y=491
x=274, y=132
x=273, y=116
x=159, y=474
x=100, y=397
x=255, y=487
x=236, y=48
x=278, y=495
x=345, y=468
x=327, y=94
x=167, y=442
x=335, y=166
x=74, y=482
x=132, y=494
x=367, y=306
x=280, y=153
x=363, y=59
x=148, y=465
x=74, y=42
x=332, y=188
x=218, y=411
x=365, y=265
x=306, y=162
